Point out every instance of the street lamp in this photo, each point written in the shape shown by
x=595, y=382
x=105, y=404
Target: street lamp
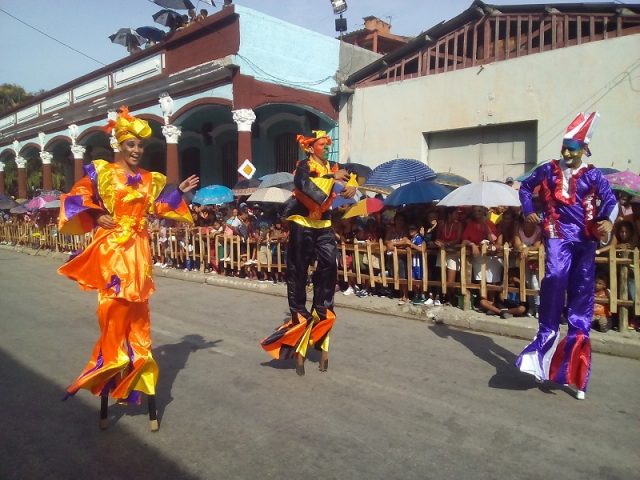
x=339, y=7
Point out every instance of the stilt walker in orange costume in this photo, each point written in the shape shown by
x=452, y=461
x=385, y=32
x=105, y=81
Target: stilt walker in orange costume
x=311, y=238
x=116, y=198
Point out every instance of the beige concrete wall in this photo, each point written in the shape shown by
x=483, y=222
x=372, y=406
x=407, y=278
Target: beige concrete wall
x=389, y=121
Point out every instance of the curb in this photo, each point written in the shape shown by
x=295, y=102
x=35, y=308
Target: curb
x=621, y=344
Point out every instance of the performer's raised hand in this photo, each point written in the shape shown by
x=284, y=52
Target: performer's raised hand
x=604, y=227
x=189, y=183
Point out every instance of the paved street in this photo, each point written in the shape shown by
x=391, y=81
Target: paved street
x=402, y=399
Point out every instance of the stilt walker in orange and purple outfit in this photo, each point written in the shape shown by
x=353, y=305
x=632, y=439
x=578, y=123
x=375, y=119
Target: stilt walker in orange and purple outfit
x=311, y=237
x=116, y=198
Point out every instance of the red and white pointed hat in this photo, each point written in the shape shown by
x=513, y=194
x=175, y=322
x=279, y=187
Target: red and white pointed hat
x=580, y=130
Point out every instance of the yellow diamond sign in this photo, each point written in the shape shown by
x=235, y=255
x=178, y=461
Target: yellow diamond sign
x=247, y=169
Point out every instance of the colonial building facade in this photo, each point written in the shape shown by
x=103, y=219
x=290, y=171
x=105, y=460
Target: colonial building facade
x=239, y=85
x=489, y=93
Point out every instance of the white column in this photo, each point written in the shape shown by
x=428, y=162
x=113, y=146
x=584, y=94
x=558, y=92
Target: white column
x=244, y=118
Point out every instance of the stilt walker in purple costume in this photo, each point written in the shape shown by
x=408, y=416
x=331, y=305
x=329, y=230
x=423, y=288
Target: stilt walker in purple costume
x=573, y=225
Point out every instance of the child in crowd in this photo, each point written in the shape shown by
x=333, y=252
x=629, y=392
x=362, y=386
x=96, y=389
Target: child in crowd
x=601, y=313
x=417, y=245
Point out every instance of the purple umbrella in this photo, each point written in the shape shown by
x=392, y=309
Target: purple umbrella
x=626, y=181
x=40, y=201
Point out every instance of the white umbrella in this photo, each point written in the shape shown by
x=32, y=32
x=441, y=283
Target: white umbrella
x=270, y=195
x=53, y=204
x=485, y=194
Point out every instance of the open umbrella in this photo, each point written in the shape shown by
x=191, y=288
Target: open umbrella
x=152, y=34
x=52, y=205
x=384, y=190
x=213, y=195
x=608, y=170
x=364, y=208
x=449, y=179
x=176, y=4
x=417, y=193
x=278, y=179
x=127, y=37
x=270, y=195
x=399, y=171
x=361, y=171
x=486, y=194
x=40, y=201
x=245, y=187
x=626, y=181
x=168, y=18
x=19, y=210
x=6, y=202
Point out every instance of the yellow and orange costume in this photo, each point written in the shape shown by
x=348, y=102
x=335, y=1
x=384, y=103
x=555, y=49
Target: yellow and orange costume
x=118, y=265
x=311, y=238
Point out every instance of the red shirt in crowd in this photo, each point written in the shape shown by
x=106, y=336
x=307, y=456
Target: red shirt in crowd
x=475, y=232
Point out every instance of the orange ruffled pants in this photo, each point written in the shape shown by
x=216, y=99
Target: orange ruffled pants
x=121, y=361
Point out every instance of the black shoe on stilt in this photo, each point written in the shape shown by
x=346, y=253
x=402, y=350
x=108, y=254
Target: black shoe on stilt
x=324, y=361
x=153, y=414
x=300, y=365
x=104, y=412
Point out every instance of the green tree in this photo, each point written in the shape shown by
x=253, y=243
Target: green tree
x=12, y=95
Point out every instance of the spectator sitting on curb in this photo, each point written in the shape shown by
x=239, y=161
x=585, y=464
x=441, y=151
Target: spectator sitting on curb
x=496, y=305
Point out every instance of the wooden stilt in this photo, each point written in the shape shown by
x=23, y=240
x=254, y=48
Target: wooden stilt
x=153, y=413
x=104, y=412
x=324, y=361
x=300, y=365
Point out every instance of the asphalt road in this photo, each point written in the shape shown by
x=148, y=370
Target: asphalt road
x=402, y=399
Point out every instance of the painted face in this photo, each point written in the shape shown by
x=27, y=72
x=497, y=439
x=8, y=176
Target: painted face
x=321, y=148
x=571, y=154
x=131, y=151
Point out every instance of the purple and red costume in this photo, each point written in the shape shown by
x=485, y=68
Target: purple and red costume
x=570, y=219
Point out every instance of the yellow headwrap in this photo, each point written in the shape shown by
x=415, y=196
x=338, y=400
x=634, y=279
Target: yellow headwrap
x=127, y=126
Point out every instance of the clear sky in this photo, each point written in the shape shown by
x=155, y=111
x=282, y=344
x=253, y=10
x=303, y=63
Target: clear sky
x=34, y=61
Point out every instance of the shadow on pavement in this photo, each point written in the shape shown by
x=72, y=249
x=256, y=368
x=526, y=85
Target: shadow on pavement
x=43, y=437
x=507, y=376
x=171, y=358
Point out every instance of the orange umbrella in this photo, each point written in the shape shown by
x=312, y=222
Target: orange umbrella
x=365, y=208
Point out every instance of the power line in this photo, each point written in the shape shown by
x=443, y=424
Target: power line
x=52, y=38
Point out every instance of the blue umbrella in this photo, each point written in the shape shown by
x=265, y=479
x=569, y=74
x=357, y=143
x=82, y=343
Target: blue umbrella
x=213, y=195
x=151, y=33
x=399, y=171
x=417, y=193
x=608, y=171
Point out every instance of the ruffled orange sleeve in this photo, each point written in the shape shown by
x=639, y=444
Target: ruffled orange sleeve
x=168, y=201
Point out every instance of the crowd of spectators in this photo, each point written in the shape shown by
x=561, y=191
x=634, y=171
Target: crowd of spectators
x=421, y=227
